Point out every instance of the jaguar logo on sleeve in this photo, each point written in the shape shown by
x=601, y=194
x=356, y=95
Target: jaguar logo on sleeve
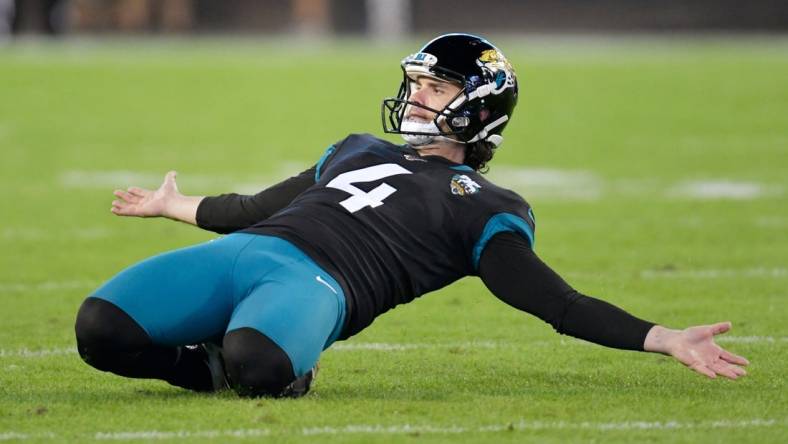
x=462, y=185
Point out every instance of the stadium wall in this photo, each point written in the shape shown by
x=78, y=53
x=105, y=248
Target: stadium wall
x=368, y=16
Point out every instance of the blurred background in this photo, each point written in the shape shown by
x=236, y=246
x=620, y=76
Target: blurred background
x=386, y=18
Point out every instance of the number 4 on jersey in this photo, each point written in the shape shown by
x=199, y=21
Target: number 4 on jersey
x=360, y=198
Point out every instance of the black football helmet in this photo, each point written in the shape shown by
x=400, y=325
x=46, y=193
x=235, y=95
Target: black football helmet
x=480, y=111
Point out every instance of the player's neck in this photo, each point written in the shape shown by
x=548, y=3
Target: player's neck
x=454, y=152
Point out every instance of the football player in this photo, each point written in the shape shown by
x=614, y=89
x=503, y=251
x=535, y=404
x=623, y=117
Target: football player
x=316, y=258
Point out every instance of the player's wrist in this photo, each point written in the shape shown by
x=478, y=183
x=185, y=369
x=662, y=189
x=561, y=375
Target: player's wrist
x=181, y=208
x=660, y=340
x=169, y=206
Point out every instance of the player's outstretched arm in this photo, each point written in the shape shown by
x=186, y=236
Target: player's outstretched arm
x=166, y=201
x=516, y=275
x=695, y=348
x=226, y=213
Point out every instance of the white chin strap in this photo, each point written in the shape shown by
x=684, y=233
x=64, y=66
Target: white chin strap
x=417, y=140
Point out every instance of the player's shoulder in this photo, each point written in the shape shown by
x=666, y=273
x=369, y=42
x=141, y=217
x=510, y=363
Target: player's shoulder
x=352, y=152
x=496, y=195
x=358, y=141
x=494, y=209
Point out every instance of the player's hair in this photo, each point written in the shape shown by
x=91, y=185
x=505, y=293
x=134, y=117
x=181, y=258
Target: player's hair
x=478, y=154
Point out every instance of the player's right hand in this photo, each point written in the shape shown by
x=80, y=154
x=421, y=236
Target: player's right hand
x=140, y=202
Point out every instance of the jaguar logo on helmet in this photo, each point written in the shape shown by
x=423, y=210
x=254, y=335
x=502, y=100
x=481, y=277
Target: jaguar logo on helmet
x=494, y=57
x=497, y=67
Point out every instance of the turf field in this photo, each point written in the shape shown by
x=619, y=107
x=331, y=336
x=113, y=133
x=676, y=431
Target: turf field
x=657, y=169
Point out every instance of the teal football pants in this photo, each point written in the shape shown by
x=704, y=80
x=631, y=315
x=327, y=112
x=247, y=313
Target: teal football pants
x=202, y=292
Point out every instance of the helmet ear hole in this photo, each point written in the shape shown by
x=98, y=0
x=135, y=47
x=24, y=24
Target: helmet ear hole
x=484, y=114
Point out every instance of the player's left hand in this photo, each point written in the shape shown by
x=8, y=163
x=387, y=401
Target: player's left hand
x=140, y=202
x=695, y=348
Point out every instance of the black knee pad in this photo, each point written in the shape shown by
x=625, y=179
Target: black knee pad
x=104, y=330
x=255, y=365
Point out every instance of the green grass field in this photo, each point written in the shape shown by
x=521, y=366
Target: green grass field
x=657, y=169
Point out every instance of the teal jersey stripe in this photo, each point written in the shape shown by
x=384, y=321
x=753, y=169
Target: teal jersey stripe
x=329, y=151
x=499, y=223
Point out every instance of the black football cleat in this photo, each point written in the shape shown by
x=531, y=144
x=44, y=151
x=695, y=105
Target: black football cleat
x=215, y=364
x=300, y=386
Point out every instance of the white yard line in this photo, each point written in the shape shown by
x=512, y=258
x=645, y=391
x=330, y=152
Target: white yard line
x=771, y=222
x=27, y=234
x=533, y=182
x=394, y=347
x=112, y=179
x=539, y=425
x=32, y=352
x=410, y=429
x=717, y=273
x=719, y=189
x=549, y=182
x=181, y=434
x=752, y=339
x=23, y=287
x=564, y=184
x=385, y=346
x=25, y=352
x=17, y=436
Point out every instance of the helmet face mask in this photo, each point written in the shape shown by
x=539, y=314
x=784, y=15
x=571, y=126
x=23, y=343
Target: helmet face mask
x=482, y=107
x=395, y=117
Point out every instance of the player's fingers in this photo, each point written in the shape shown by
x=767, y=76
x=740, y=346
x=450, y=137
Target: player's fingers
x=169, y=178
x=738, y=370
x=720, y=327
x=139, y=192
x=703, y=370
x=122, y=208
x=128, y=197
x=734, y=359
x=724, y=370
x=730, y=373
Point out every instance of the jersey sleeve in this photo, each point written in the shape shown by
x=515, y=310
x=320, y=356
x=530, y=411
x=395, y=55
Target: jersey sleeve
x=226, y=213
x=508, y=212
x=516, y=275
x=231, y=212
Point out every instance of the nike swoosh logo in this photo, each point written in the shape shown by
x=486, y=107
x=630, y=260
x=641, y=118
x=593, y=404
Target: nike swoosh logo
x=322, y=281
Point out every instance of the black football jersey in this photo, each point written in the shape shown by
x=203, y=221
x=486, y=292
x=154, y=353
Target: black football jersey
x=391, y=225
